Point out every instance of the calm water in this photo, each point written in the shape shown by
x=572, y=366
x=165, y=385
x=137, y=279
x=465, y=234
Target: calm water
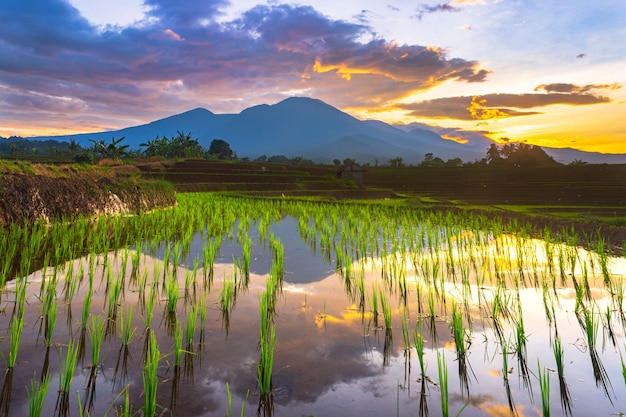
x=331, y=356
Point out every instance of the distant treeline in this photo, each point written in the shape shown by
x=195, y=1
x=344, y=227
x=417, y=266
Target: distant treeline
x=184, y=145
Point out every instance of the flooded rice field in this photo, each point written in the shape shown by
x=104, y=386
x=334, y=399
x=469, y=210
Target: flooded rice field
x=231, y=306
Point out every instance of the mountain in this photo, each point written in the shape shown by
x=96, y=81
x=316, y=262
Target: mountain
x=306, y=127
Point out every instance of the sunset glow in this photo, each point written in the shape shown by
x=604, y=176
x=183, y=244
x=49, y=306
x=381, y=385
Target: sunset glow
x=545, y=72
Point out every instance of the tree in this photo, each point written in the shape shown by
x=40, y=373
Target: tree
x=431, y=161
x=113, y=150
x=396, y=162
x=181, y=146
x=454, y=162
x=220, y=149
x=493, y=154
x=518, y=154
x=336, y=162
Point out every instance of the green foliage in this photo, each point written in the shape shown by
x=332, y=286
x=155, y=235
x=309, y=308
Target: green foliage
x=518, y=154
x=181, y=146
x=113, y=150
x=220, y=149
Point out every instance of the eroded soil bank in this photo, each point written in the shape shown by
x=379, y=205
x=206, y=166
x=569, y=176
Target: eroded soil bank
x=31, y=197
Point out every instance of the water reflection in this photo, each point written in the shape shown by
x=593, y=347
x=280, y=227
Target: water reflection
x=335, y=353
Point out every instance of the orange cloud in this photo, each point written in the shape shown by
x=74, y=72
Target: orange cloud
x=479, y=110
x=173, y=35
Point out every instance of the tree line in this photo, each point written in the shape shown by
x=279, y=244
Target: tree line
x=184, y=145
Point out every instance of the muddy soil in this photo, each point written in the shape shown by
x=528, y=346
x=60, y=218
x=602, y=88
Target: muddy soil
x=26, y=198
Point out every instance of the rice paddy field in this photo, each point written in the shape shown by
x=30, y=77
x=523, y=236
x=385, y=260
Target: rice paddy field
x=275, y=307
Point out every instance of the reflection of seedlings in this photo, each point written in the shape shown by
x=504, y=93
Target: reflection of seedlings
x=566, y=402
x=5, y=394
x=37, y=395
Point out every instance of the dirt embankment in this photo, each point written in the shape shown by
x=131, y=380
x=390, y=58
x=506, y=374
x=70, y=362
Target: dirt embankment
x=25, y=197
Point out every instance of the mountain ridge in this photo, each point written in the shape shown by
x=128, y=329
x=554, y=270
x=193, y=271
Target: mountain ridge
x=309, y=127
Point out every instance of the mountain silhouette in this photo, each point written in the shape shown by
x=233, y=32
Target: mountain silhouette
x=307, y=127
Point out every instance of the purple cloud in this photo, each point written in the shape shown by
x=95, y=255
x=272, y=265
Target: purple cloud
x=181, y=57
x=443, y=7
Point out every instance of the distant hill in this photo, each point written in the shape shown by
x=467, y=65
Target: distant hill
x=310, y=128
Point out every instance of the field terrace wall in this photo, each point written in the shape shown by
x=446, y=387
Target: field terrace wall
x=264, y=179
x=26, y=198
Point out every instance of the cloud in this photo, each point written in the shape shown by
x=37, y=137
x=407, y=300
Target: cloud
x=576, y=89
x=181, y=57
x=424, y=9
x=497, y=106
x=185, y=13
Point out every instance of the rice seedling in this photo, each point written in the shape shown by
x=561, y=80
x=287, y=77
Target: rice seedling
x=267, y=341
x=178, y=344
x=418, y=341
x=86, y=310
x=50, y=322
x=459, y=332
x=544, y=387
x=126, y=331
x=190, y=328
x=96, y=334
x=384, y=305
x=172, y=294
x=229, y=410
x=406, y=338
x=566, y=402
x=15, y=336
x=149, y=308
x=37, y=395
x=442, y=371
x=66, y=375
x=150, y=378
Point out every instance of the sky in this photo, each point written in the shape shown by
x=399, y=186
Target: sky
x=544, y=72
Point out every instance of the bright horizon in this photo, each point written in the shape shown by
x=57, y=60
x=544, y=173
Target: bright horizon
x=549, y=73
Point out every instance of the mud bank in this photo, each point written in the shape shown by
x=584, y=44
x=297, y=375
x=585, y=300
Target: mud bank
x=30, y=198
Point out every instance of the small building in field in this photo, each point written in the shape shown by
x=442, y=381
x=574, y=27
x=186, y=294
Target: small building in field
x=351, y=172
